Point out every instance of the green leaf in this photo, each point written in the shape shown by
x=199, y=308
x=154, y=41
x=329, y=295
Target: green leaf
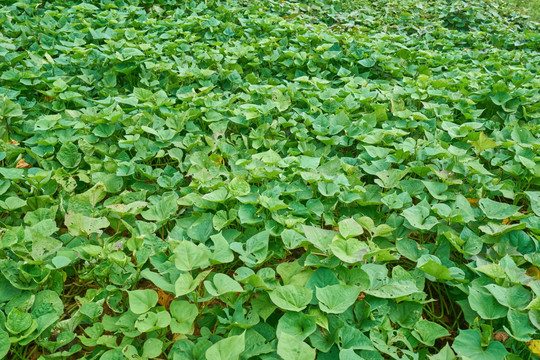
x=162, y=210
x=390, y=178
x=9, y=108
x=190, y=256
x=92, y=310
x=394, y=289
x=114, y=354
x=469, y=344
x=446, y=353
x=494, y=271
x=7, y=290
x=500, y=98
x=367, y=62
x=47, y=122
x=495, y=229
x=335, y=299
x=68, y=155
x=272, y=203
x=534, y=197
x=262, y=306
x=98, y=192
x=383, y=230
x=152, y=321
x=431, y=265
x=152, y=348
x=227, y=349
x=349, y=250
x=418, y=216
x=406, y=314
x=18, y=321
x=4, y=343
x=12, y=203
x=79, y=224
x=281, y=101
x=321, y=277
x=436, y=189
x=521, y=326
x=255, y=250
x=485, y=304
x=350, y=228
x=256, y=344
x=112, y=183
x=222, y=284
x=427, y=332
x=291, y=297
x=186, y=284
x=353, y=338
x=515, y=297
x=290, y=348
x=309, y=162
x=217, y=196
x=320, y=238
x=131, y=52
x=296, y=324
x=497, y=210
x=47, y=302
x=202, y=228
x=349, y=354
x=239, y=187
x=222, y=251
x=183, y=315
x=140, y=301
x=12, y=173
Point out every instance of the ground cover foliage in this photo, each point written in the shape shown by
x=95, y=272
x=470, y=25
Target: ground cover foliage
x=269, y=180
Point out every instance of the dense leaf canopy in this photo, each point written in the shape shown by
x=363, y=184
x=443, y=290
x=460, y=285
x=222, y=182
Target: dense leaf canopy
x=269, y=180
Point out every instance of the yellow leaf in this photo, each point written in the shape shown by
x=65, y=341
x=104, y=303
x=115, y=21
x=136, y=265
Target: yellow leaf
x=177, y=337
x=218, y=160
x=165, y=298
x=23, y=165
x=483, y=143
x=534, y=346
x=473, y=202
x=533, y=271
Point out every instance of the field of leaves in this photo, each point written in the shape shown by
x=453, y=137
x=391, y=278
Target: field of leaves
x=269, y=180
